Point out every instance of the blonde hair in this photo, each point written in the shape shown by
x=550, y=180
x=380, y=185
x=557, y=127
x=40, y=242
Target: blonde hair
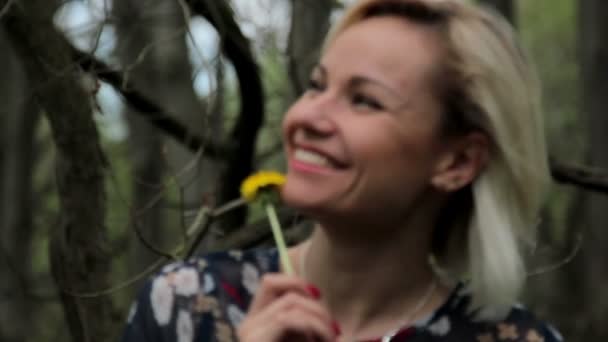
x=486, y=84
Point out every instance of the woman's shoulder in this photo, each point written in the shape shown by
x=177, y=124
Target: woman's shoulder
x=457, y=322
x=521, y=324
x=527, y=325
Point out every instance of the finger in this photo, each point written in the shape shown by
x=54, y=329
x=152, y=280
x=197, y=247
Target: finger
x=296, y=302
x=293, y=300
x=296, y=323
x=304, y=322
x=276, y=285
x=310, y=318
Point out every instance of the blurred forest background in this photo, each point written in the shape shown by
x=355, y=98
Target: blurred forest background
x=121, y=120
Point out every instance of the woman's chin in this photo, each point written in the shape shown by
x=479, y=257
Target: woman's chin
x=303, y=205
x=308, y=204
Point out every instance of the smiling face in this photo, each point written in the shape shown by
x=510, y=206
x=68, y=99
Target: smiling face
x=364, y=140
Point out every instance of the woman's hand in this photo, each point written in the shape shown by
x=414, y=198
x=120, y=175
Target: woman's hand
x=286, y=308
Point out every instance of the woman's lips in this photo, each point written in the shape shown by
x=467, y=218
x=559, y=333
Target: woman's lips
x=312, y=161
x=311, y=157
x=308, y=168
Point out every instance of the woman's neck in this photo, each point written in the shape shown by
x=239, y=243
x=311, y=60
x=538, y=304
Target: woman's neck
x=370, y=286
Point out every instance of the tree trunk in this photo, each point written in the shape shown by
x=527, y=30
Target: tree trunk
x=152, y=48
x=594, y=57
x=17, y=134
x=309, y=26
x=78, y=252
x=133, y=36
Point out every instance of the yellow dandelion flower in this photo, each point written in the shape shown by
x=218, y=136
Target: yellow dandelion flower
x=250, y=188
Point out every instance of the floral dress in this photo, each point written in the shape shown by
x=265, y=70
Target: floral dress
x=203, y=299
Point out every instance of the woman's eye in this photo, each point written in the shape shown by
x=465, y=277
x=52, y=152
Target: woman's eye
x=361, y=100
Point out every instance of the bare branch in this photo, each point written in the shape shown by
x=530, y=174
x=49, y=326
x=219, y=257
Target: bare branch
x=581, y=176
x=104, y=292
x=563, y=262
x=235, y=46
x=153, y=112
x=197, y=229
x=252, y=234
x=6, y=7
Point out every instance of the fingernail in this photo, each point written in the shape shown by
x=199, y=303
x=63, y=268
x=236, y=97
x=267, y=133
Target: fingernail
x=313, y=291
x=336, y=327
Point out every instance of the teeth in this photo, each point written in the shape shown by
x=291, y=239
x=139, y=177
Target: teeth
x=310, y=157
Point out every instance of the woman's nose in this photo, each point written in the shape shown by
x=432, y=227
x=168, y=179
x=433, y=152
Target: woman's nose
x=317, y=116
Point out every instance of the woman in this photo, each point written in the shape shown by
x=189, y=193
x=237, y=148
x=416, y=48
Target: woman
x=418, y=150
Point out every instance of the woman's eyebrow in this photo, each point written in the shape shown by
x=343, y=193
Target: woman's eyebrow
x=361, y=80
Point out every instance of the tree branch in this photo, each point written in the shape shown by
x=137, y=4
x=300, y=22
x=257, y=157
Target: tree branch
x=235, y=46
x=6, y=7
x=240, y=153
x=257, y=232
x=152, y=111
x=580, y=176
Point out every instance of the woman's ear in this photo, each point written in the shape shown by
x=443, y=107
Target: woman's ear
x=462, y=161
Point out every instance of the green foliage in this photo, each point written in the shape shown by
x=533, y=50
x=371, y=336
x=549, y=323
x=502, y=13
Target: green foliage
x=278, y=98
x=549, y=32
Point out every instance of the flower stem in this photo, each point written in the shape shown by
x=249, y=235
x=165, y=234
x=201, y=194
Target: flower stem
x=278, y=238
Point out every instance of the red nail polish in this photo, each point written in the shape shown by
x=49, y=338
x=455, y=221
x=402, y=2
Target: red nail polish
x=313, y=291
x=336, y=327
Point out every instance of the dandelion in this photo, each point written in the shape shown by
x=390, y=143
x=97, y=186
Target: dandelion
x=263, y=186
x=259, y=182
